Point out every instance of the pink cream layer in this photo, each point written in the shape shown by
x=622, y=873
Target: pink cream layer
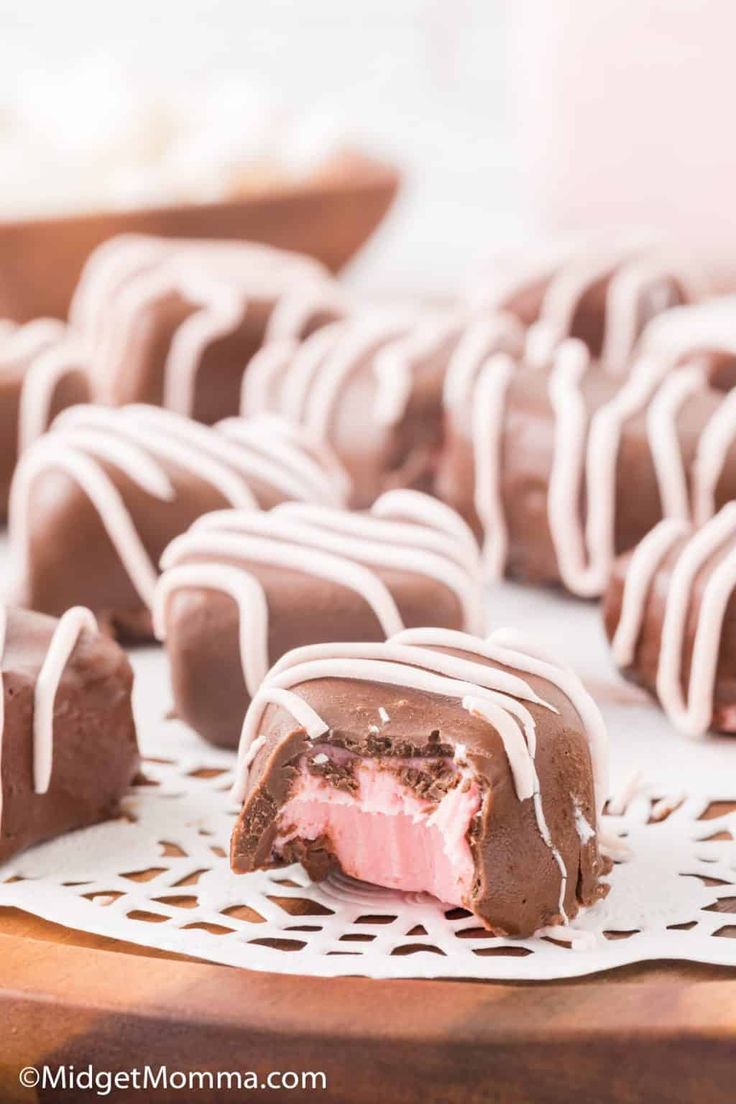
x=385, y=833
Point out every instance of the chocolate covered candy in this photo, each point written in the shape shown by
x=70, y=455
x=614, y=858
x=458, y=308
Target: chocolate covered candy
x=96, y=500
x=603, y=295
x=175, y=322
x=436, y=762
x=371, y=386
x=42, y=370
x=560, y=469
x=670, y=614
x=66, y=727
x=242, y=588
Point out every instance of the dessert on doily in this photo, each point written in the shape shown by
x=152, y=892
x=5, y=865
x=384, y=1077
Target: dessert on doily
x=474, y=770
x=248, y=480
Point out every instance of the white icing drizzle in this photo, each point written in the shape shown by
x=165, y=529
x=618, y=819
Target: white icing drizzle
x=61, y=646
x=630, y=273
x=486, y=428
x=66, y=635
x=43, y=375
x=416, y=659
x=691, y=711
x=394, y=365
x=480, y=340
x=305, y=383
x=267, y=366
x=222, y=313
x=343, y=548
x=136, y=440
x=585, y=457
x=682, y=331
x=715, y=441
x=128, y=276
x=664, y=442
x=643, y=566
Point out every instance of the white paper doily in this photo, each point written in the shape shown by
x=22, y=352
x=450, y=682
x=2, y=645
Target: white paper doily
x=159, y=877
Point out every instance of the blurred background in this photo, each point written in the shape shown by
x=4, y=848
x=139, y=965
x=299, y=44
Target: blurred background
x=508, y=119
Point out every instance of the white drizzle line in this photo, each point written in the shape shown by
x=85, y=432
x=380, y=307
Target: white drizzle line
x=479, y=341
x=693, y=713
x=288, y=457
x=645, y=561
x=715, y=440
x=628, y=288
x=335, y=545
x=360, y=341
x=266, y=368
x=487, y=423
x=45, y=372
x=402, y=665
x=27, y=341
x=585, y=554
x=245, y=591
x=395, y=364
x=483, y=691
x=222, y=313
x=66, y=635
x=664, y=441
x=134, y=439
x=294, y=311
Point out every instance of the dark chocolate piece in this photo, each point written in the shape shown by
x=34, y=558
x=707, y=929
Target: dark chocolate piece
x=371, y=387
x=42, y=371
x=242, y=588
x=401, y=763
x=175, y=322
x=68, y=739
x=97, y=499
x=670, y=614
x=562, y=468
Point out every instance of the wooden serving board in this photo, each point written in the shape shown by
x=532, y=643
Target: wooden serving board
x=654, y=1033
x=329, y=217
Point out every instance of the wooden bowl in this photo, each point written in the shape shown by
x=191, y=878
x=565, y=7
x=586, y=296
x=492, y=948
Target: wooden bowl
x=329, y=217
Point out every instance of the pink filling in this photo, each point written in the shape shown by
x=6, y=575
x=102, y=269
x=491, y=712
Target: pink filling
x=386, y=833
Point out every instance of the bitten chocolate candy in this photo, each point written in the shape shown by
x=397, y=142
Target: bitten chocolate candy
x=371, y=385
x=66, y=726
x=42, y=371
x=241, y=588
x=96, y=500
x=562, y=468
x=175, y=322
x=471, y=769
x=670, y=614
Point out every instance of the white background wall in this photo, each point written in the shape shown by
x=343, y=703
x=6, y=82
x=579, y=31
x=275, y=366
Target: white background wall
x=424, y=80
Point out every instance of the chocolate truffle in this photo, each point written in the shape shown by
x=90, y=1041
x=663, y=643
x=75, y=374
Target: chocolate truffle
x=242, y=588
x=42, y=370
x=95, y=501
x=175, y=322
x=562, y=468
x=601, y=294
x=66, y=726
x=670, y=614
x=371, y=386
x=436, y=762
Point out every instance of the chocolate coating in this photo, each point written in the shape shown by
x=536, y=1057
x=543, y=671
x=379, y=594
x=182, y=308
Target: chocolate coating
x=516, y=884
x=203, y=634
x=527, y=452
x=95, y=754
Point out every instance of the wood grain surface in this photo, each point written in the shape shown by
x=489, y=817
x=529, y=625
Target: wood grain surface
x=654, y=1033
